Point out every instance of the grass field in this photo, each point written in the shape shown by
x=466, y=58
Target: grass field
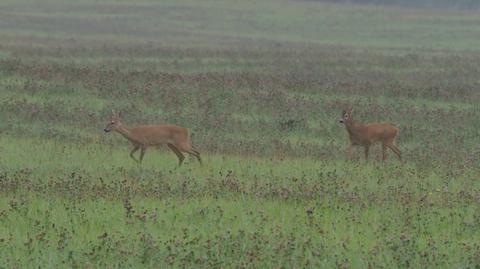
x=261, y=87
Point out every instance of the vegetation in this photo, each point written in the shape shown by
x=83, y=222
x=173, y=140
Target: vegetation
x=261, y=86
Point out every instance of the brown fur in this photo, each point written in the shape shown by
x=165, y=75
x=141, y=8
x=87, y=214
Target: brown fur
x=175, y=137
x=367, y=134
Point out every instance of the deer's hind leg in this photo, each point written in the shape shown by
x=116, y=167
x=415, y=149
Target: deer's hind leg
x=395, y=150
x=196, y=154
x=178, y=153
x=189, y=149
x=391, y=145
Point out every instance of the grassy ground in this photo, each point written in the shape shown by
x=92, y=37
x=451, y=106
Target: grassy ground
x=261, y=87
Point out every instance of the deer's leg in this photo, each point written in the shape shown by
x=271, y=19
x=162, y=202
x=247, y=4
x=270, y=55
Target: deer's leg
x=188, y=149
x=178, y=153
x=196, y=154
x=384, y=151
x=135, y=149
x=395, y=150
x=350, y=151
x=367, y=148
x=142, y=153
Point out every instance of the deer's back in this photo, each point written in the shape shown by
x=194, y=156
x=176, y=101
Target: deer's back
x=381, y=131
x=159, y=134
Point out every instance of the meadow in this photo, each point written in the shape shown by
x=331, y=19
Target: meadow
x=261, y=86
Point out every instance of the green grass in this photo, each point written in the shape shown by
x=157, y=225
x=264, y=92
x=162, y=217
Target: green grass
x=261, y=87
x=230, y=211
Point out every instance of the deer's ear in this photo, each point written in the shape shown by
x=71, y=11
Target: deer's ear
x=119, y=115
x=350, y=109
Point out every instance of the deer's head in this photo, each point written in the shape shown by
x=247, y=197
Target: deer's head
x=113, y=123
x=346, y=116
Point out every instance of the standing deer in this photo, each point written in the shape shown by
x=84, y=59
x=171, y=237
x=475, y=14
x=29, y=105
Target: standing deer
x=144, y=136
x=367, y=134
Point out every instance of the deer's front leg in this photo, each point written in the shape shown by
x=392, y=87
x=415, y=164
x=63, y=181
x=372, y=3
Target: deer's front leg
x=133, y=151
x=142, y=152
x=350, y=151
x=367, y=147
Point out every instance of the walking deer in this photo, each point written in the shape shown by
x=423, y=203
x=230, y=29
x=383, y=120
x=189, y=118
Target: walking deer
x=175, y=137
x=367, y=134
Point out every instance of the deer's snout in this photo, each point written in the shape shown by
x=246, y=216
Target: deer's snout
x=341, y=120
x=106, y=130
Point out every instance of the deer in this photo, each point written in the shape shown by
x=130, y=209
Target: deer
x=367, y=134
x=144, y=136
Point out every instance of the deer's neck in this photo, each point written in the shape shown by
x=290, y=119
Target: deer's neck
x=353, y=128
x=125, y=132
